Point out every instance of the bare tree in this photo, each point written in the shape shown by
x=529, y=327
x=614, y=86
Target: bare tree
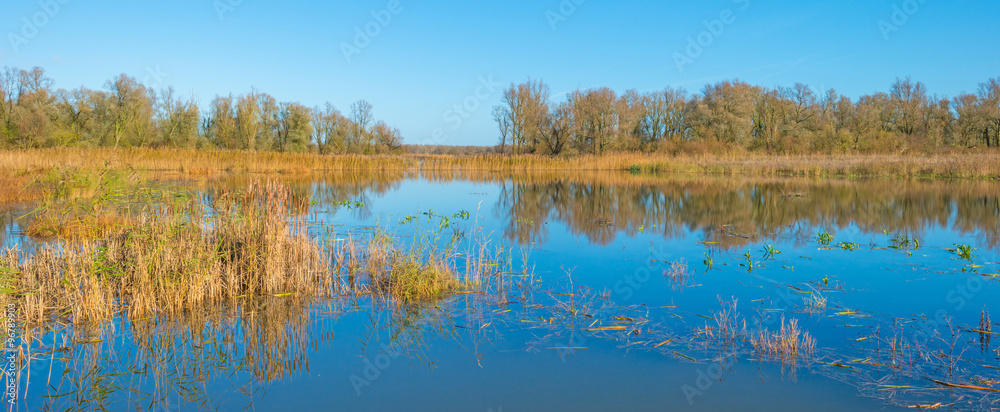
x=597, y=119
x=388, y=139
x=663, y=116
x=560, y=129
x=361, y=115
x=503, y=118
x=331, y=129
x=525, y=107
x=989, y=95
x=909, y=99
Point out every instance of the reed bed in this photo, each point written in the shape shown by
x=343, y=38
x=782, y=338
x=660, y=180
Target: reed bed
x=984, y=164
x=195, y=164
x=17, y=189
x=244, y=244
x=789, y=345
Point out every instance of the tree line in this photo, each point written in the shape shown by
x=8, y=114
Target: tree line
x=127, y=113
x=736, y=115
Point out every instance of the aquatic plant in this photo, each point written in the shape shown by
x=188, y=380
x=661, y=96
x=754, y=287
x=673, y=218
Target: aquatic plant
x=904, y=241
x=84, y=204
x=395, y=274
x=351, y=204
x=730, y=327
x=748, y=262
x=824, y=238
x=985, y=330
x=677, y=273
x=816, y=303
x=770, y=251
x=709, y=261
x=963, y=251
x=849, y=246
x=789, y=345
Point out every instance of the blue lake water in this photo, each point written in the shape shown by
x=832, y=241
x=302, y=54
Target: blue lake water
x=890, y=303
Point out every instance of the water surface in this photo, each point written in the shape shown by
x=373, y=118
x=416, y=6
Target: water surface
x=899, y=306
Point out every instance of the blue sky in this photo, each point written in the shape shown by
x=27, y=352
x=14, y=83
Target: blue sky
x=433, y=55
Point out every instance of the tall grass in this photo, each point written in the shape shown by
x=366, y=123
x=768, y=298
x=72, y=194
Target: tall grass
x=244, y=244
x=189, y=163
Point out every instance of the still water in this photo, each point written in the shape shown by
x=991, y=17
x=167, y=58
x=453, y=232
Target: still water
x=624, y=278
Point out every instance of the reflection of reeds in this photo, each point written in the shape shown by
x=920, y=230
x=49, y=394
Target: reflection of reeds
x=789, y=345
x=678, y=274
x=666, y=203
x=173, y=361
x=985, y=330
x=190, y=358
x=910, y=366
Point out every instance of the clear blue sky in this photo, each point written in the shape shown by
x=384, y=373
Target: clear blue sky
x=432, y=55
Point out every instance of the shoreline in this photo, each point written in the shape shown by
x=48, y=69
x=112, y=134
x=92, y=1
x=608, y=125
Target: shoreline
x=984, y=165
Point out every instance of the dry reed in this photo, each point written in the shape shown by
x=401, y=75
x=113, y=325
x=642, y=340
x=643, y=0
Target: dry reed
x=678, y=274
x=195, y=164
x=730, y=329
x=183, y=256
x=789, y=345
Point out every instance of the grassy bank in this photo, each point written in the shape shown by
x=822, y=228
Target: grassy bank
x=193, y=164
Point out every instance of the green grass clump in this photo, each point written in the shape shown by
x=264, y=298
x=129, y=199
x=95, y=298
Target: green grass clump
x=824, y=238
x=849, y=246
x=963, y=251
x=409, y=279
